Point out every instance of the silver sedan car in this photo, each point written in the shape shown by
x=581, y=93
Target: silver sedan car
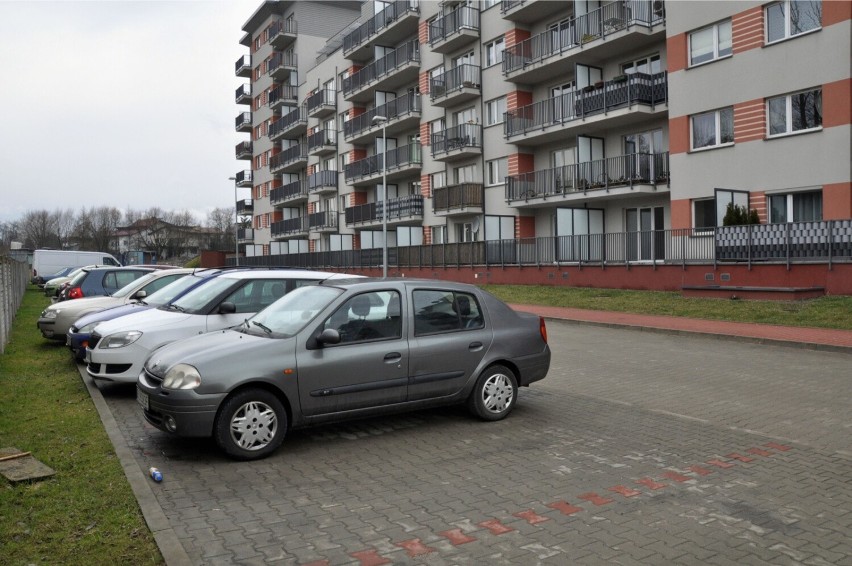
x=342, y=349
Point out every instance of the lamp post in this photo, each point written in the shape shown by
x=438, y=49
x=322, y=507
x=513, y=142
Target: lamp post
x=236, y=224
x=384, y=122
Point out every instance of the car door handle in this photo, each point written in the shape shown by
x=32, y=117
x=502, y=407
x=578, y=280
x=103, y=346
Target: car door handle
x=393, y=357
x=473, y=346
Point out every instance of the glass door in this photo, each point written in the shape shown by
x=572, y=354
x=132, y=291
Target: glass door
x=645, y=234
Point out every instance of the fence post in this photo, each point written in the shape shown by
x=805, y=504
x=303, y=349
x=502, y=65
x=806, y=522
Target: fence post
x=787, y=246
x=748, y=240
x=830, y=243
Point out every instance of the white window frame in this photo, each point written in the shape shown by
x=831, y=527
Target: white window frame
x=790, y=209
x=717, y=116
x=493, y=106
x=493, y=54
x=787, y=31
x=715, y=30
x=788, y=101
x=496, y=171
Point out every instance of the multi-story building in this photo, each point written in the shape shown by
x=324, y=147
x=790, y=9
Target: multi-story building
x=553, y=122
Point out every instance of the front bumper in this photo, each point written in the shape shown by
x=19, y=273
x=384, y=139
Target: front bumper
x=193, y=415
x=122, y=365
x=47, y=327
x=78, y=342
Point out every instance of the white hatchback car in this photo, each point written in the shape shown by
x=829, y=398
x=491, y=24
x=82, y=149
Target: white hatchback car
x=119, y=347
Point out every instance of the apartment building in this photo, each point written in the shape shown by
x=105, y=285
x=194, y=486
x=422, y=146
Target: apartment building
x=537, y=120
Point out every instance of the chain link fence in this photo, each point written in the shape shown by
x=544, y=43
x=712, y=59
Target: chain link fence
x=14, y=276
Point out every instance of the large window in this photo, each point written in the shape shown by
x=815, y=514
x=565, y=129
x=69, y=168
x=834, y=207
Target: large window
x=795, y=207
x=710, y=43
x=704, y=213
x=494, y=111
x=791, y=18
x=794, y=112
x=496, y=171
x=712, y=129
x=494, y=52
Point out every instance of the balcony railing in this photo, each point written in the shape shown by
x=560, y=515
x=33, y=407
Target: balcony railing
x=392, y=12
x=398, y=208
x=457, y=197
x=457, y=78
x=243, y=150
x=287, y=122
x=397, y=158
x=322, y=180
x=636, y=88
x=462, y=18
x=402, y=55
x=281, y=64
x=601, y=174
x=324, y=98
x=457, y=137
x=283, y=94
x=324, y=220
x=280, y=30
x=243, y=95
x=243, y=66
x=507, y=5
x=569, y=35
x=245, y=207
x=296, y=190
x=243, y=178
x=289, y=227
x=401, y=106
x=289, y=156
x=245, y=234
x=322, y=139
x=243, y=121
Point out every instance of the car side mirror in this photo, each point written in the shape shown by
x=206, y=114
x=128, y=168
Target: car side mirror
x=140, y=294
x=227, y=308
x=328, y=336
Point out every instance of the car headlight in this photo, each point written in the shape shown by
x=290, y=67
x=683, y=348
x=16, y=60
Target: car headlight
x=49, y=313
x=182, y=376
x=120, y=340
x=87, y=328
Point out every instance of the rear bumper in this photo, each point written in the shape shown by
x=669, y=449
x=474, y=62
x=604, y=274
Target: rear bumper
x=533, y=368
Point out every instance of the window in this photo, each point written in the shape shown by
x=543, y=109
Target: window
x=724, y=198
x=445, y=311
x=496, y=171
x=710, y=43
x=648, y=65
x=791, y=18
x=439, y=234
x=488, y=3
x=465, y=174
x=438, y=180
x=712, y=129
x=795, y=207
x=795, y=112
x=369, y=316
x=704, y=213
x=409, y=236
x=495, y=110
x=494, y=52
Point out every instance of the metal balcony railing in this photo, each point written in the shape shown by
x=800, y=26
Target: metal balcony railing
x=401, y=106
x=456, y=197
x=322, y=179
x=282, y=27
x=601, y=174
x=290, y=155
x=243, y=120
x=636, y=88
x=281, y=60
x=324, y=219
x=243, y=149
x=457, y=78
x=243, y=64
x=323, y=97
x=322, y=138
x=243, y=177
x=287, y=121
x=290, y=191
x=290, y=226
x=401, y=207
x=463, y=17
x=243, y=94
x=244, y=234
x=397, y=158
x=283, y=94
x=391, y=13
x=606, y=20
x=507, y=5
x=245, y=206
x=402, y=55
x=457, y=137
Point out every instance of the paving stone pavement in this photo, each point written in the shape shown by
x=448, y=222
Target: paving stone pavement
x=638, y=448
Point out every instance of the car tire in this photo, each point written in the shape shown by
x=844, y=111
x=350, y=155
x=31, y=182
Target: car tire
x=250, y=424
x=494, y=394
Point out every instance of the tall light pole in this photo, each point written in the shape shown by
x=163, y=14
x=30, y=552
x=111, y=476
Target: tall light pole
x=236, y=224
x=384, y=122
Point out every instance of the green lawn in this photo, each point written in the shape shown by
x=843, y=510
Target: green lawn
x=86, y=513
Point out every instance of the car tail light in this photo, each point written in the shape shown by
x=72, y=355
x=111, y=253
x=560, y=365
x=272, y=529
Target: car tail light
x=75, y=293
x=542, y=328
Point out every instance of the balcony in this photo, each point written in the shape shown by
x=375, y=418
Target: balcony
x=454, y=30
x=403, y=114
x=243, y=150
x=243, y=122
x=615, y=176
x=456, y=85
x=290, y=228
x=390, y=26
x=243, y=178
x=322, y=142
x=530, y=11
x=290, y=125
x=289, y=160
x=458, y=142
x=402, y=161
x=322, y=182
x=281, y=65
x=282, y=33
x=394, y=70
x=612, y=31
x=325, y=221
x=245, y=207
x=243, y=66
x=244, y=94
x=619, y=102
x=283, y=95
x=463, y=198
x=289, y=194
x=245, y=235
x=401, y=211
x=322, y=103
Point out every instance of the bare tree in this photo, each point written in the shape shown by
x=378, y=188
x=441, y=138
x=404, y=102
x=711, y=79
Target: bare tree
x=96, y=228
x=38, y=228
x=8, y=234
x=66, y=222
x=221, y=220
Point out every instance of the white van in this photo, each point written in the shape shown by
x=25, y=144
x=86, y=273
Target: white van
x=48, y=262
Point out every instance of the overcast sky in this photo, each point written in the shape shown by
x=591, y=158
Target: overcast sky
x=125, y=104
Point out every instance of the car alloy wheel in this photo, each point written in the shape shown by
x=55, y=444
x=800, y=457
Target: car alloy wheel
x=494, y=394
x=251, y=424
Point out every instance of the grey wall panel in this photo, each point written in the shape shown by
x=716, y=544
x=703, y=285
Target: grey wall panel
x=682, y=16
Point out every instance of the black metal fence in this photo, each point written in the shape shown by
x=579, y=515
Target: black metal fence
x=392, y=12
x=463, y=17
x=457, y=78
x=400, y=106
x=405, y=53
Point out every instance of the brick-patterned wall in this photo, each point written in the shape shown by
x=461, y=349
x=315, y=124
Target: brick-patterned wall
x=356, y=241
x=423, y=82
x=357, y=198
x=425, y=186
x=277, y=215
x=681, y=213
x=425, y=134
x=837, y=110
x=423, y=33
x=677, y=56
x=312, y=246
x=836, y=201
x=356, y=154
x=521, y=163
x=427, y=236
x=265, y=249
x=749, y=121
x=524, y=227
x=518, y=98
x=757, y=201
x=836, y=12
x=312, y=207
x=515, y=36
x=679, y=134
x=356, y=111
x=747, y=30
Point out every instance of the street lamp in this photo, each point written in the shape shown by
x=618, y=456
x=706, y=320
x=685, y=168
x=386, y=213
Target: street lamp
x=236, y=224
x=384, y=122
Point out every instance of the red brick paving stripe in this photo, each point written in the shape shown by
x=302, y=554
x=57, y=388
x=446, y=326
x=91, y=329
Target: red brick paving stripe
x=531, y=517
x=700, y=471
x=720, y=464
x=564, y=507
x=625, y=491
x=760, y=452
x=457, y=537
x=369, y=557
x=496, y=527
x=414, y=547
x=674, y=476
x=595, y=499
x=651, y=484
x=776, y=446
x=740, y=457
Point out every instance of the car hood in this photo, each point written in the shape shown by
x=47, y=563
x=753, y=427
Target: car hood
x=87, y=303
x=148, y=320
x=111, y=313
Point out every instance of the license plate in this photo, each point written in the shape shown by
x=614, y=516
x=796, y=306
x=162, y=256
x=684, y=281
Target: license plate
x=142, y=398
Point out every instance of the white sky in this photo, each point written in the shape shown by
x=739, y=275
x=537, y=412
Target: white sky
x=125, y=104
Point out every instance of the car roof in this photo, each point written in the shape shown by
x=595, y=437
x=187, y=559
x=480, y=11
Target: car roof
x=376, y=282
x=287, y=273
x=115, y=268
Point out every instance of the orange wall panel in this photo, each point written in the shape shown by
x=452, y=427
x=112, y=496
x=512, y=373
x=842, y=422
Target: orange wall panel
x=835, y=12
x=676, y=52
x=525, y=227
x=681, y=214
x=747, y=30
x=679, y=134
x=749, y=121
x=837, y=103
x=837, y=201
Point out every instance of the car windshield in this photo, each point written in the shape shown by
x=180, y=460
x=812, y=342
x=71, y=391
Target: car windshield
x=168, y=293
x=199, y=298
x=289, y=314
x=133, y=285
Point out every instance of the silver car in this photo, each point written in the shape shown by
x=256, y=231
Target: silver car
x=344, y=349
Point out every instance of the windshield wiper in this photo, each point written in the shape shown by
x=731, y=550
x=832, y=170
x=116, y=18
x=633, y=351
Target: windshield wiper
x=174, y=307
x=263, y=326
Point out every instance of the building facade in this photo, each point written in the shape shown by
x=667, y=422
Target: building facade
x=528, y=120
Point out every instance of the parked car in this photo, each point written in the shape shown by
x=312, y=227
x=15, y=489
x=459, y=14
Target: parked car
x=344, y=349
x=40, y=280
x=78, y=336
x=56, y=320
x=100, y=281
x=53, y=287
x=118, y=347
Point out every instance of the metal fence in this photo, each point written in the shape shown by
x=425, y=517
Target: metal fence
x=14, y=276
